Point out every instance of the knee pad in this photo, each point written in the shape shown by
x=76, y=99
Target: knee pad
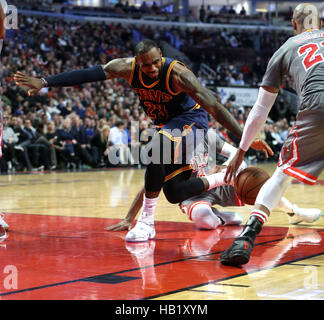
x=172, y=193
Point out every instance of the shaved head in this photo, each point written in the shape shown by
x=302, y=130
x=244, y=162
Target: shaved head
x=306, y=17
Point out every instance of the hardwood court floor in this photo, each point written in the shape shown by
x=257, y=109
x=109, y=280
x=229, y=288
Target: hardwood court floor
x=58, y=249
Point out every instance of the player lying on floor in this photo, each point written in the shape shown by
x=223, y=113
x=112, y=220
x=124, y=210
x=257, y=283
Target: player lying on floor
x=200, y=208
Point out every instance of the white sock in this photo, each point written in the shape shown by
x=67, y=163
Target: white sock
x=272, y=191
x=204, y=217
x=148, y=209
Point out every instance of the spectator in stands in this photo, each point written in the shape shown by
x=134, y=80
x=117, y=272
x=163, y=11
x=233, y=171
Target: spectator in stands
x=231, y=10
x=39, y=150
x=23, y=142
x=144, y=8
x=67, y=141
x=101, y=146
x=120, y=150
x=10, y=139
x=258, y=68
x=202, y=13
x=42, y=139
x=223, y=10
x=242, y=11
x=240, y=79
x=82, y=145
x=155, y=8
x=52, y=136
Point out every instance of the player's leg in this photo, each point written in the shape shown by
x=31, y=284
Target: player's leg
x=179, y=186
x=200, y=210
x=207, y=217
x=144, y=228
x=159, y=152
x=268, y=198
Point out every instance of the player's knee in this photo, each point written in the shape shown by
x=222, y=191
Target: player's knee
x=203, y=217
x=172, y=194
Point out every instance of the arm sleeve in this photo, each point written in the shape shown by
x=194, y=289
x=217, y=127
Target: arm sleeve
x=257, y=117
x=75, y=77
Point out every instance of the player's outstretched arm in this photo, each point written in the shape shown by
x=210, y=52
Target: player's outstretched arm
x=127, y=223
x=117, y=68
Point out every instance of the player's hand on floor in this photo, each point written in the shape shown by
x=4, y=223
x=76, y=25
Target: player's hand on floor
x=34, y=84
x=261, y=145
x=123, y=225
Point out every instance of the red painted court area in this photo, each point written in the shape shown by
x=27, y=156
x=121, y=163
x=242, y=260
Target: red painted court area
x=75, y=258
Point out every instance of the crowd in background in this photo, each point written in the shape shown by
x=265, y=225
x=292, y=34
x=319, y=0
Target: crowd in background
x=81, y=126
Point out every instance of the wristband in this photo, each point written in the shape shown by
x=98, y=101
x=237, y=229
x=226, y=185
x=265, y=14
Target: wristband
x=45, y=83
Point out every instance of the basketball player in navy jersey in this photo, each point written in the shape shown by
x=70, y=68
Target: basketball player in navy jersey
x=302, y=155
x=3, y=225
x=174, y=99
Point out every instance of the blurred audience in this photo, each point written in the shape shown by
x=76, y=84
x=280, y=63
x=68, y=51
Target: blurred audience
x=89, y=126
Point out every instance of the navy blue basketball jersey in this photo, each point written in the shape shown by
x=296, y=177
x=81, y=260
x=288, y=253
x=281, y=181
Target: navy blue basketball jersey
x=158, y=99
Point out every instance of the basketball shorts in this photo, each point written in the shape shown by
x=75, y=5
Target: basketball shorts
x=187, y=130
x=223, y=196
x=302, y=154
x=177, y=142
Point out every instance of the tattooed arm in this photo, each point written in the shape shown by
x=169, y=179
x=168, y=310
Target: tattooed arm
x=184, y=80
x=118, y=68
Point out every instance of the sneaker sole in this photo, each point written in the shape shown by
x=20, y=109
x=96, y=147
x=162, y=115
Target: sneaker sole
x=134, y=240
x=295, y=223
x=138, y=240
x=236, y=259
x=318, y=217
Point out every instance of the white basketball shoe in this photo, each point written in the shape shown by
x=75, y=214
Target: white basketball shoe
x=141, y=232
x=305, y=215
x=3, y=227
x=3, y=223
x=228, y=217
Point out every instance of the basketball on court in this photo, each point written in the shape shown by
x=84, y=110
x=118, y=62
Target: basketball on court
x=248, y=183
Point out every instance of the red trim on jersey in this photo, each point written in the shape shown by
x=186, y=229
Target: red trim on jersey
x=294, y=151
x=301, y=175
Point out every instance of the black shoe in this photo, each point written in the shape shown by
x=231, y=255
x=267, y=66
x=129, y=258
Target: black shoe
x=238, y=253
